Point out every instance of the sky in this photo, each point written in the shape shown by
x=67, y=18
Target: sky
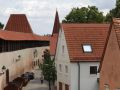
x=41, y=13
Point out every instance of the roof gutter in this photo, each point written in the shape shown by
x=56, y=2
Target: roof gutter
x=78, y=75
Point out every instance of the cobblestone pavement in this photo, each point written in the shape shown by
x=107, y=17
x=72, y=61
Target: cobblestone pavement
x=36, y=84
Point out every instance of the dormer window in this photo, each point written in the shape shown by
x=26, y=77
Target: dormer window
x=87, y=48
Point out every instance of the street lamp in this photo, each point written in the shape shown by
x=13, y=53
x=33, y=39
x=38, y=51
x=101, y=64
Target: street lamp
x=3, y=69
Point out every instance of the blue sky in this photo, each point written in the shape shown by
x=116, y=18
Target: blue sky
x=41, y=13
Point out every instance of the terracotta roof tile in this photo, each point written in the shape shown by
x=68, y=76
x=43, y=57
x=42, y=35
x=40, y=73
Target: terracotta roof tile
x=115, y=25
x=18, y=23
x=53, y=43
x=78, y=34
x=15, y=36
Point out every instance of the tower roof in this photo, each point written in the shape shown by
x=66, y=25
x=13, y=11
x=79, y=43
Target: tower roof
x=56, y=24
x=18, y=23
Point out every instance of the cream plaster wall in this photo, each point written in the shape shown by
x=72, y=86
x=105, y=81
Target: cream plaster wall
x=62, y=58
x=16, y=65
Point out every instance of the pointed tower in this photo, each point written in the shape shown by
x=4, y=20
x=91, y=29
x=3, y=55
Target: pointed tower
x=18, y=23
x=56, y=24
x=54, y=37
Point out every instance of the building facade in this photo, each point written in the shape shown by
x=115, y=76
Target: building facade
x=78, y=54
x=109, y=68
x=20, y=49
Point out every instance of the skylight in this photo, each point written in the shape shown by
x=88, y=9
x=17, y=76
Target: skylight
x=87, y=48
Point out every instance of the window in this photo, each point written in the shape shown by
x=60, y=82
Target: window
x=35, y=53
x=93, y=69
x=87, y=48
x=63, y=49
x=60, y=67
x=106, y=86
x=66, y=68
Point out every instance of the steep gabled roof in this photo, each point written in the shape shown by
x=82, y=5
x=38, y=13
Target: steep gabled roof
x=78, y=34
x=18, y=23
x=115, y=25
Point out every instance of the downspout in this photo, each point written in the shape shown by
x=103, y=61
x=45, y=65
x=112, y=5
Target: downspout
x=78, y=76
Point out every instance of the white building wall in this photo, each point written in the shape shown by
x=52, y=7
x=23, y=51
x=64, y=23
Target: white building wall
x=87, y=81
x=74, y=76
x=63, y=59
x=18, y=66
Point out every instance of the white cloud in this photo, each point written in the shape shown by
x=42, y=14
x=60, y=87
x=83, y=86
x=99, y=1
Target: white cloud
x=41, y=13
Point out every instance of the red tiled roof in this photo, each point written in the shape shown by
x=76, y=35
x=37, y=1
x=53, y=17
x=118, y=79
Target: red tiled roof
x=78, y=34
x=53, y=44
x=18, y=23
x=19, y=36
x=115, y=25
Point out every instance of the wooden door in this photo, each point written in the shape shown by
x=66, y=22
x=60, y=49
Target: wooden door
x=66, y=87
x=7, y=76
x=60, y=86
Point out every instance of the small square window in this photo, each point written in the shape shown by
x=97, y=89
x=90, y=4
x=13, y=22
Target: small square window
x=87, y=48
x=93, y=69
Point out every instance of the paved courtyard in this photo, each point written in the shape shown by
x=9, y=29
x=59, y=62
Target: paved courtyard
x=36, y=84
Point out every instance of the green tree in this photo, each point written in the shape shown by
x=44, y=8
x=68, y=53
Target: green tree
x=115, y=12
x=89, y=14
x=1, y=25
x=48, y=68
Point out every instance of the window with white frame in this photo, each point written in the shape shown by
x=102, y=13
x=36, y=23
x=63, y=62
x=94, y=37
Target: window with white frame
x=60, y=67
x=66, y=68
x=87, y=48
x=93, y=70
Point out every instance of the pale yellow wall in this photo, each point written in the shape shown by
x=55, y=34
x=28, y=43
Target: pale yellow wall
x=16, y=68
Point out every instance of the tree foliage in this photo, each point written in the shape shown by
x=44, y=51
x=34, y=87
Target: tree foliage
x=48, y=68
x=89, y=14
x=1, y=25
x=115, y=12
